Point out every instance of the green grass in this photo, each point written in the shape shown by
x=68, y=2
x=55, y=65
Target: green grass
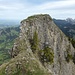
x=32, y=67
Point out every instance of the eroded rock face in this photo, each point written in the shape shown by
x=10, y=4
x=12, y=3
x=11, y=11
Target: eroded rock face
x=48, y=35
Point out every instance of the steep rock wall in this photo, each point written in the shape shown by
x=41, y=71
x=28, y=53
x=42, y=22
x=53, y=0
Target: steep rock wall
x=49, y=34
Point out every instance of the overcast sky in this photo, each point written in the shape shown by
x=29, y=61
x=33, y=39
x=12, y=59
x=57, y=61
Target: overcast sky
x=20, y=9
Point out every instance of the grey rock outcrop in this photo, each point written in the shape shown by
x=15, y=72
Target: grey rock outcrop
x=49, y=35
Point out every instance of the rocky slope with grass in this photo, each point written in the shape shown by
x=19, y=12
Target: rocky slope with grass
x=41, y=49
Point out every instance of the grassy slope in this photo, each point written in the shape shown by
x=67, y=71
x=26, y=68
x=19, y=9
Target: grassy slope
x=29, y=66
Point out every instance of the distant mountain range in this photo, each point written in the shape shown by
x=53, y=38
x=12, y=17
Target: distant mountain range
x=67, y=26
x=9, y=23
x=70, y=20
x=7, y=38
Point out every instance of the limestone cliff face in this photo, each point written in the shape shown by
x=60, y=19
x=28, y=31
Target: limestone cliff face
x=49, y=35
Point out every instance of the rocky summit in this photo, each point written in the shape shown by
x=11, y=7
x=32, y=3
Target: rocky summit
x=41, y=49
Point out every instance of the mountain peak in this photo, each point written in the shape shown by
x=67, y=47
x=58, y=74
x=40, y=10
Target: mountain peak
x=70, y=20
x=41, y=49
x=40, y=16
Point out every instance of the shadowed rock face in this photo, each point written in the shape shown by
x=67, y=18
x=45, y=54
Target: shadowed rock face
x=49, y=35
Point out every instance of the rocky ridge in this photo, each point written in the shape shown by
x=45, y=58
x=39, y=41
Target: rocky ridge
x=41, y=49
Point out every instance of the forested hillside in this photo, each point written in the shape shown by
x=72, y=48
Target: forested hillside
x=7, y=38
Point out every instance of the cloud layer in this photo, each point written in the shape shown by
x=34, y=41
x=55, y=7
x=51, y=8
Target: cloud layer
x=20, y=9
